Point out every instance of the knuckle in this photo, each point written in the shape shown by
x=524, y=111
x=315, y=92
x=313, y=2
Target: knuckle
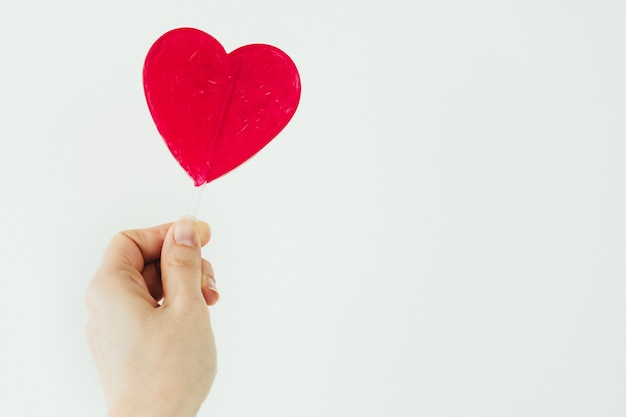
x=119, y=236
x=97, y=292
x=181, y=263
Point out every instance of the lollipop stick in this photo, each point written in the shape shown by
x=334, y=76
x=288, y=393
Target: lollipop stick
x=197, y=196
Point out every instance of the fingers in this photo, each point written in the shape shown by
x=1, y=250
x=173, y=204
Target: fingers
x=181, y=261
x=141, y=246
x=152, y=276
x=130, y=265
x=209, y=289
x=119, y=276
x=135, y=248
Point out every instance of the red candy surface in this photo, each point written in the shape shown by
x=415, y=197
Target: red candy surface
x=216, y=110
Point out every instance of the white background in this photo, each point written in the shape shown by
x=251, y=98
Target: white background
x=440, y=231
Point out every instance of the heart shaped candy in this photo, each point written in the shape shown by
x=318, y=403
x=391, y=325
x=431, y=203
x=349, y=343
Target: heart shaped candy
x=216, y=110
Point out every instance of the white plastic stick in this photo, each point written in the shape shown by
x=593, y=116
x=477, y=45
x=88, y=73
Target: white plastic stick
x=197, y=196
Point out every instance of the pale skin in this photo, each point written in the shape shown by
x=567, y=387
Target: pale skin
x=149, y=329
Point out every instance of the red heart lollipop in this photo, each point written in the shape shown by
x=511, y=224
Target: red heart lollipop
x=216, y=110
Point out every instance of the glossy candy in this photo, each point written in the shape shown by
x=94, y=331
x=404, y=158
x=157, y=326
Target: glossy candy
x=216, y=110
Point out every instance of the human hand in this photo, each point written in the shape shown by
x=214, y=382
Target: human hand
x=154, y=360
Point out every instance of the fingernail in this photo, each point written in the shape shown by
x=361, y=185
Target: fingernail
x=211, y=295
x=210, y=282
x=186, y=232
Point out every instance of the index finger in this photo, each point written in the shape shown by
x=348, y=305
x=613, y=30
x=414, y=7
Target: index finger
x=135, y=248
x=138, y=247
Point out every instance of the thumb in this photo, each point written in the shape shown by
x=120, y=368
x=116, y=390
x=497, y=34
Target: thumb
x=181, y=262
